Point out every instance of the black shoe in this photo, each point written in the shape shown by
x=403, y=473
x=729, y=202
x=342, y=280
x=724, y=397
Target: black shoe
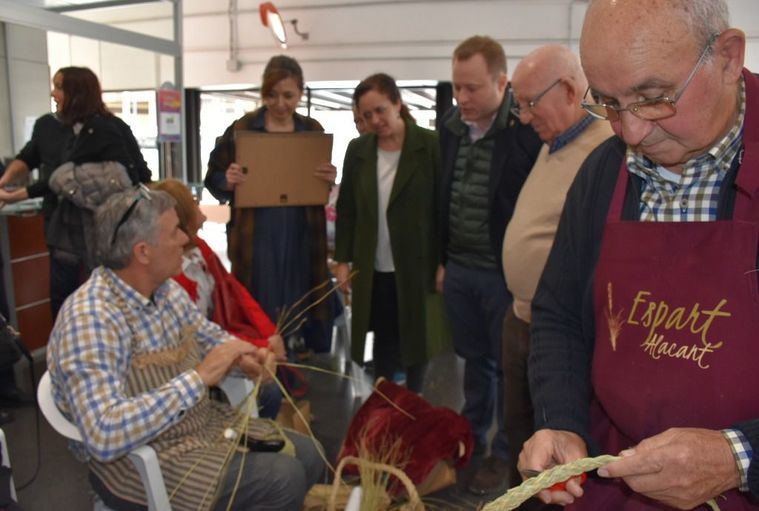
x=491, y=477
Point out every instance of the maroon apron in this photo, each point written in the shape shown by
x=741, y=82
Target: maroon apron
x=677, y=315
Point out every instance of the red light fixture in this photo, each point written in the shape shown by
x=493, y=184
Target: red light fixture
x=271, y=18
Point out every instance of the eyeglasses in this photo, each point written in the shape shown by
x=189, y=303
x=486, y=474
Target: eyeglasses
x=516, y=109
x=142, y=193
x=653, y=109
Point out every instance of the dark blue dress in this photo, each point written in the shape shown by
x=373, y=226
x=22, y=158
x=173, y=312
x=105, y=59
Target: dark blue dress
x=282, y=265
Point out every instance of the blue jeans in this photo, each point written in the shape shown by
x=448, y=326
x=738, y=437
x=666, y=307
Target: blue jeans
x=476, y=302
x=269, y=400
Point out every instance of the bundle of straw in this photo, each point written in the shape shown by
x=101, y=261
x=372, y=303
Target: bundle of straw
x=374, y=498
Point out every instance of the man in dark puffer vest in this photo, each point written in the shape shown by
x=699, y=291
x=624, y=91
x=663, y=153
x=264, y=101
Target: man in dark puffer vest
x=487, y=154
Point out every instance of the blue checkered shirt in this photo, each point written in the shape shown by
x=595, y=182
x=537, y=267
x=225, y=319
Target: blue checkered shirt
x=571, y=133
x=742, y=453
x=89, y=355
x=694, y=198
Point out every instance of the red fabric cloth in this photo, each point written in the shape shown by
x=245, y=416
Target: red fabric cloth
x=432, y=436
x=234, y=309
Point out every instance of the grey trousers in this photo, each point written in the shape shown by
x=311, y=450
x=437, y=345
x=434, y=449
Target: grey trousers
x=273, y=481
x=270, y=481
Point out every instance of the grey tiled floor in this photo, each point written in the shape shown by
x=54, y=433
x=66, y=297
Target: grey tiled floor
x=61, y=483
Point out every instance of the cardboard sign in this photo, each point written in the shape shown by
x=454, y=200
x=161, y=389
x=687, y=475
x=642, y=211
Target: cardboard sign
x=280, y=168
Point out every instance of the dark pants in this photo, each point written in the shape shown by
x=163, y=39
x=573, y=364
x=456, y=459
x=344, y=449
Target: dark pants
x=269, y=400
x=519, y=416
x=476, y=302
x=516, y=391
x=387, y=338
x=65, y=278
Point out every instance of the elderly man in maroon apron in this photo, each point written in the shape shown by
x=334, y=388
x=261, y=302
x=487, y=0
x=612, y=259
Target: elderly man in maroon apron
x=646, y=318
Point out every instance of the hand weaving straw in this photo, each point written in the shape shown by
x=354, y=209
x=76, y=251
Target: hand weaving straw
x=558, y=474
x=534, y=485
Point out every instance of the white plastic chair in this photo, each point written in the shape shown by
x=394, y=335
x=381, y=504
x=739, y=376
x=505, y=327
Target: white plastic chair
x=7, y=462
x=143, y=457
x=237, y=389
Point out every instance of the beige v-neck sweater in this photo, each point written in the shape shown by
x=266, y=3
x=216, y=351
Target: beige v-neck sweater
x=530, y=233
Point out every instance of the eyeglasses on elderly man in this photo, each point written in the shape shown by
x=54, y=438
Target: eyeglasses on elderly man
x=517, y=108
x=654, y=109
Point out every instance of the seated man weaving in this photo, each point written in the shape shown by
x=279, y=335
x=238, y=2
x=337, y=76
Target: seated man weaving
x=131, y=359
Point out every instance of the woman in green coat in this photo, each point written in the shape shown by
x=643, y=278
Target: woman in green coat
x=387, y=230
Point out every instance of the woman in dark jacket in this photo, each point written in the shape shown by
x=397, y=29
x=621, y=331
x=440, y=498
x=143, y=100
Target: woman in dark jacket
x=98, y=134
x=81, y=131
x=387, y=229
x=101, y=136
x=278, y=253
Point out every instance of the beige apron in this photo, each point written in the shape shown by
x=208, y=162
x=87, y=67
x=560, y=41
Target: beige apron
x=194, y=441
x=193, y=450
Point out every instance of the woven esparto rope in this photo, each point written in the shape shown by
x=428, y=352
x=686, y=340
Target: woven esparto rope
x=558, y=474
x=534, y=485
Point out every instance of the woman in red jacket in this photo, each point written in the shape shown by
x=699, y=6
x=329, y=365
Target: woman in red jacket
x=219, y=294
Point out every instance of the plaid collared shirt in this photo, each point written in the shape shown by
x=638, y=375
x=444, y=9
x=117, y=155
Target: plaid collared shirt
x=90, y=353
x=571, y=133
x=694, y=198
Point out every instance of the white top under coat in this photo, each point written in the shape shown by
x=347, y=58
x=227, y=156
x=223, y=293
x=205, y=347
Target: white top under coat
x=387, y=167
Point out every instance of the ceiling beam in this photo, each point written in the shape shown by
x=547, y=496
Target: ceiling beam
x=20, y=14
x=97, y=4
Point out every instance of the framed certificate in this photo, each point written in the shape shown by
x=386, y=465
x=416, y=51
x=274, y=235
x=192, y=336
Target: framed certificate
x=280, y=168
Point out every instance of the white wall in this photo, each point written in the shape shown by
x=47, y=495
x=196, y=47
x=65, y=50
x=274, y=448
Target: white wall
x=24, y=83
x=349, y=39
x=117, y=66
x=6, y=135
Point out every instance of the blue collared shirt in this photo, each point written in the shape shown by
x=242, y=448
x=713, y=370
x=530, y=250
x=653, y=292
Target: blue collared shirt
x=571, y=133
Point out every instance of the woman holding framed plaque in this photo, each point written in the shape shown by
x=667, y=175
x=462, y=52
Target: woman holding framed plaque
x=278, y=253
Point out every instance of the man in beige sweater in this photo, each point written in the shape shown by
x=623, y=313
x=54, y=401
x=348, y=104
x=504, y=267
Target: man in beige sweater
x=548, y=86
